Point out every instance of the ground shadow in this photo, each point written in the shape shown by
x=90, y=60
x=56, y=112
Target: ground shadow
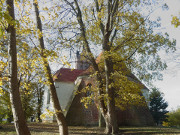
x=52, y=128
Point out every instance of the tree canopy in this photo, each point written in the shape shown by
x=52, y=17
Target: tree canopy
x=173, y=118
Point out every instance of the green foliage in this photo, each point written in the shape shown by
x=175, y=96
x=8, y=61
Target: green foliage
x=31, y=98
x=158, y=106
x=175, y=21
x=31, y=77
x=28, y=102
x=128, y=92
x=174, y=118
x=127, y=88
x=5, y=107
x=38, y=93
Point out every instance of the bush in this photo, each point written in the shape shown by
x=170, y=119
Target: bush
x=173, y=119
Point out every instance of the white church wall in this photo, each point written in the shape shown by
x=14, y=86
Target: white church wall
x=64, y=92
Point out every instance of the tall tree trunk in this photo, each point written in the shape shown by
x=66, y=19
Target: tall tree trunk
x=63, y=128
x=18, y=114
x=39, y=106
x=39, y=98
x=110, y=117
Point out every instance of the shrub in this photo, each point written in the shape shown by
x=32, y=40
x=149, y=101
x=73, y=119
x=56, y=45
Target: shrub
x=174, y=118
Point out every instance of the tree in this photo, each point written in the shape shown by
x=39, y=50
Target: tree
x=26, y=73
x=63, y=128
x=173, y=118
x=19, y=119
x=5, y=107
x=158, y=106
x=31, y=97
x=38, y=93
x=30, y=78
x=125, y=35
x=28, y=60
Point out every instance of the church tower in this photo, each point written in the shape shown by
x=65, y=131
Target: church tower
x=81, y=61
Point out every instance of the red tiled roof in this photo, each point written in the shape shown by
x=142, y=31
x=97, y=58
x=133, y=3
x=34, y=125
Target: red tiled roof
x=66, y=75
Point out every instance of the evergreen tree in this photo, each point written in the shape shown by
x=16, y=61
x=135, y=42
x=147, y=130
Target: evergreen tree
x=158, y=106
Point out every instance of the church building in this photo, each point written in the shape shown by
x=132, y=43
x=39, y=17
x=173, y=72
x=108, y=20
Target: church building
x=70, y=82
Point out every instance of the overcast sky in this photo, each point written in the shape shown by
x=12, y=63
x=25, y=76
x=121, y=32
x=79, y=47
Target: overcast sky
x=170, y=85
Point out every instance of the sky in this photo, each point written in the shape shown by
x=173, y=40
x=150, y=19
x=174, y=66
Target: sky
x=170, y=85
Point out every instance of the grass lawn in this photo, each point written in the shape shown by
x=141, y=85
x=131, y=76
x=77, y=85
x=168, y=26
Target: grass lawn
x=52, y=129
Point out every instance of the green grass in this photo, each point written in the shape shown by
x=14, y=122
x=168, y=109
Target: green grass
x=52, y=129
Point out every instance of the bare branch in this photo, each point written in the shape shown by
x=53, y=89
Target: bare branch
x=98, y=10
x=114, y=10
x=70, y=4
